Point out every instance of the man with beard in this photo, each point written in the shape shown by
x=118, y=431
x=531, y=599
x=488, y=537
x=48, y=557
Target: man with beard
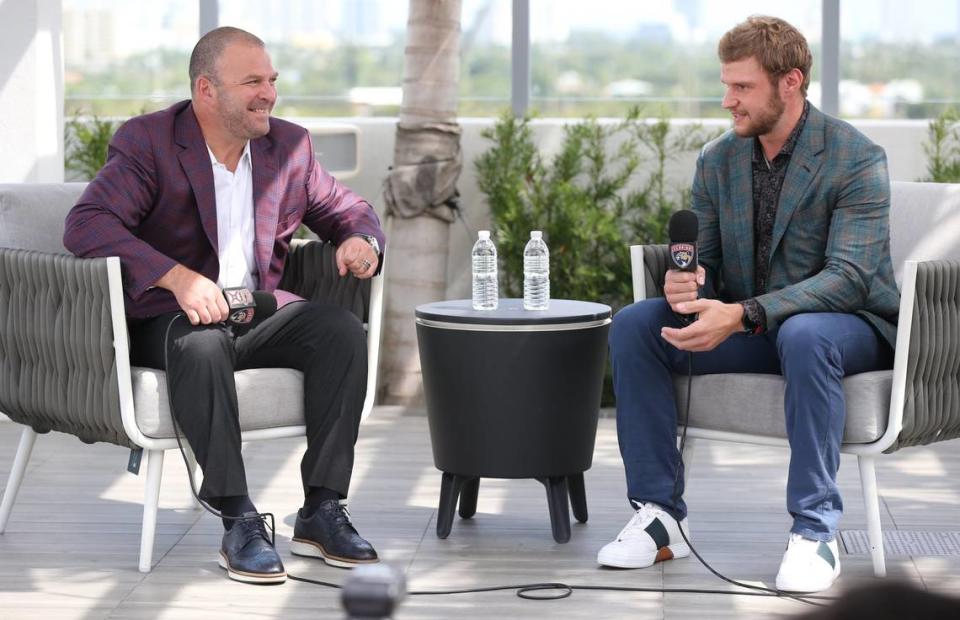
x=796, y=279
x=205, y=195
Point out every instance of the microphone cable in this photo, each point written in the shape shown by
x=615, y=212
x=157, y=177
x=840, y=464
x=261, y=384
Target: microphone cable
x=558, y=590
x=260, y=516
x=759, y=590
x=554, y=590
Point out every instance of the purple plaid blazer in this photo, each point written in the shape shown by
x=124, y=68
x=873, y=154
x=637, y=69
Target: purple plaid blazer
x=153, y=205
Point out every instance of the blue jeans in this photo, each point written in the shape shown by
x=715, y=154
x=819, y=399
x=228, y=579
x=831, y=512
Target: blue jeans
x=812, y=351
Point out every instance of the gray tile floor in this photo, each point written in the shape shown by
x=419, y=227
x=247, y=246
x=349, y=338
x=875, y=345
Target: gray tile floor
x=70, y=550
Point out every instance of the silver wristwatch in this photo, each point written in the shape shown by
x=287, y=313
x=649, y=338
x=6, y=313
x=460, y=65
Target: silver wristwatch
x=373, y=243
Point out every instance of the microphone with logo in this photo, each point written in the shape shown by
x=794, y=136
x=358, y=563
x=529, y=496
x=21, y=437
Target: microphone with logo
x=245, y=304
x=683, y=228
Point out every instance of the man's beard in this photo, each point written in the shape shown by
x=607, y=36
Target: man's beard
x=237, y=123
x=764, y=121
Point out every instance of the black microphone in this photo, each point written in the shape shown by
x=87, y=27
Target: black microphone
x=373, y=591
x=245, y=305
x=683, y=229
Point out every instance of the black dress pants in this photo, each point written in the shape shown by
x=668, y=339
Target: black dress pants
x=325, y=342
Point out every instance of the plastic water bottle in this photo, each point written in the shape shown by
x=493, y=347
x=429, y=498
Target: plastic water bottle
x=536, y=273
x=484, y=256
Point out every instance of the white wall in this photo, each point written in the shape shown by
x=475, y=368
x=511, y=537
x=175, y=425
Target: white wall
x=31, y=91
x=903, y=141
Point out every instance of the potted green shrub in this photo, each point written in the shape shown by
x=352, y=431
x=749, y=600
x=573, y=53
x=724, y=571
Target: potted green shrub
x=604, y=190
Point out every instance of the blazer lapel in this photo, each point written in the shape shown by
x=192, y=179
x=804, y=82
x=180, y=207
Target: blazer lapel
x=266, y=201
x=195, y=161
x=803, y=168
x=741, y=209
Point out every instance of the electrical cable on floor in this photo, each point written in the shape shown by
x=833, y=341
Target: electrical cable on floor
x=564, y=590
x=557, y=590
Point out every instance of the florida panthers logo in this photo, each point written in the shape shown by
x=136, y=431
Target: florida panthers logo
x=682, y=254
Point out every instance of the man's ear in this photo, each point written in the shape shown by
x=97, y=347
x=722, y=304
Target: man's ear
x=791, y=82
x=204, y=88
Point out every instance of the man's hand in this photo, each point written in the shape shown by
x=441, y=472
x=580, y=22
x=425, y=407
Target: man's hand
x=716, y=322
x=356, y=256
x=200, y=298
x=680, y=286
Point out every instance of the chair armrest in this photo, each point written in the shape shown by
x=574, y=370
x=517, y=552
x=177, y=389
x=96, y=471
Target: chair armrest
x=931, y=392
x=649, y=266
x=58, y=367
x=311, y=273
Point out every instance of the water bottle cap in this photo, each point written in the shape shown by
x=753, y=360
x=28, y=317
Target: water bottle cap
x=484, y=234
x=536, y=234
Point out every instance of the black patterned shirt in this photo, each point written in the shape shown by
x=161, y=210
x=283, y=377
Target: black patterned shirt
x=767, y=183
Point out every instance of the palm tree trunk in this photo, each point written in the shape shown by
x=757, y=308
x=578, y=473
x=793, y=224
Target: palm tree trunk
x=420, y=190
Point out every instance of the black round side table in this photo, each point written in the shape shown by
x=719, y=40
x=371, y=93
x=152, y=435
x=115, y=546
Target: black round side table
x=512, y=393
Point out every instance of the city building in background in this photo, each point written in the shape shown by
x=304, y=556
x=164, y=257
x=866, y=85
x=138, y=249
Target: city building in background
x=344, y=57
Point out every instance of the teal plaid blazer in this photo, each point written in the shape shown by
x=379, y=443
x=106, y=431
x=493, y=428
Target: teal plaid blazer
x=831, y=238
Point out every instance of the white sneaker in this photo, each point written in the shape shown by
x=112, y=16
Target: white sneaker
x=650, y=536
x=808, y=565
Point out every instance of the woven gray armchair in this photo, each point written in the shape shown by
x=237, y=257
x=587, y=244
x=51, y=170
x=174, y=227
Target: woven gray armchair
x=64, y=358
x=916, y=403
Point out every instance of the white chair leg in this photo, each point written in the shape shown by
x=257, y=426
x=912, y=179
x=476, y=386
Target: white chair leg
x=194, y=470
x=151, y=499
x=374, y=332
x=871, y=500
x=27, y=439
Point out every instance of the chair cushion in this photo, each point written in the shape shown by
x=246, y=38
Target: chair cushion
x=269, y=397
x=930, y=237
x=32, y=214
x=753, y=404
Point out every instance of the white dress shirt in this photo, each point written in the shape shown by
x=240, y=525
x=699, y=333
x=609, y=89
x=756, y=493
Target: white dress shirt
x=235, y=223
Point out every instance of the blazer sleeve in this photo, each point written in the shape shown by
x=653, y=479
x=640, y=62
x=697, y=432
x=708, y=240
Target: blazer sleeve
x=334, y=211
x=856, y=245
x=112, y=207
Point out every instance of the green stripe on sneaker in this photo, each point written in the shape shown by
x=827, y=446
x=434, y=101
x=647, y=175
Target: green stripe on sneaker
x=658, y=533
x=823, y=550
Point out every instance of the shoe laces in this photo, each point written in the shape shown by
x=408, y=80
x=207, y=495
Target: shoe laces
x=341, y=516
x=640, y=520
x=255, y=526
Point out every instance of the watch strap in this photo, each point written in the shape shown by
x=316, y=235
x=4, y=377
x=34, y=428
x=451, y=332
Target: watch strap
x=372, y=241
x=754, y=318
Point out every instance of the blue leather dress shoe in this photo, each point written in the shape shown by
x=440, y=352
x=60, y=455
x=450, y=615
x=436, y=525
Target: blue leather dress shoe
x=247, y=554
x=329, y=535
